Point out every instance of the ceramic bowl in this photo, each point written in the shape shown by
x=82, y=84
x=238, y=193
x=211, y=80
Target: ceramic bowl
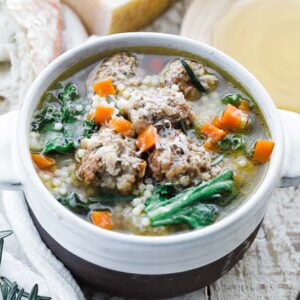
x=141, y=266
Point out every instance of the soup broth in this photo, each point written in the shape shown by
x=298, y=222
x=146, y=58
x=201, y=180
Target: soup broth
x=149, y=142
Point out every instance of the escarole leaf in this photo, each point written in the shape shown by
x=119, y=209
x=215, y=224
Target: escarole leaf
x=190, y=205
x=73, y=202
x=194, y=79
x=233, y=99
x=196, y=216
x=232, y=142
x=57, y=120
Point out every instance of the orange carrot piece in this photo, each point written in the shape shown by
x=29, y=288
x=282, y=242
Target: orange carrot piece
x=103, y=114
x=122, y=126
x=233, y=118
x=213, y=132
x=216, y=122
x=244, y=106
x=147, y=138
x=42, y=161
x=104, y=88
x=211, y=145
x=90, y=116
x=102, y=219
x=262, y=151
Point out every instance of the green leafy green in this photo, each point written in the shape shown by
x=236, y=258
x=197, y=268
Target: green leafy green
x=195, y=81
x=46, y=117
x=60, y=142
x=233, y=99
x=69, y=94
x=110, y=198
x=58, y=111
x=73, y=202
x=161, y=209
x=90, y=128
x=196, y=216
x=232, y=142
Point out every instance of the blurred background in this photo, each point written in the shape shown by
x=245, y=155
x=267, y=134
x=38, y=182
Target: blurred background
x=263, y=35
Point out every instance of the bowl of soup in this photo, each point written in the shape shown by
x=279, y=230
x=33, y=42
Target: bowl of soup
x=147, y=161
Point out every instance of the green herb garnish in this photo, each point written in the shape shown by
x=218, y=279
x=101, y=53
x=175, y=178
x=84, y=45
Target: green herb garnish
x=10, y=290
x=232, y=142
x=195, y=81
x=233, y=99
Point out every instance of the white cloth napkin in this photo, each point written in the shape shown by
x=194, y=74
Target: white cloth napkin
x=26, y=259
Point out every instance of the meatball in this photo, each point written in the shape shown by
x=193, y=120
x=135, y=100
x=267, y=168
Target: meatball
x=110, y=161
x=180, y=160
x=174, y=73
x=117, y=67
x=154, y=105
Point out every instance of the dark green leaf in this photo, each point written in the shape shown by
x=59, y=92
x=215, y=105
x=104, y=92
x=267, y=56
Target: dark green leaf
x=195, y=81
x=69, y=94
x=233, y=99
x=20, y=294
x=110, y=198
x=45, y=118
x=73, y=202
x=12, y=291
x=220, y=186
x=182, y=126
x=59, y=143
x=34, y=293
x=232, y=143
x=89, y=128
x=196, y=216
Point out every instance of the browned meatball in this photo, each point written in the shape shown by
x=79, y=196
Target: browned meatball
x=178, y=159
x=155, y=105
x=117, y=67
x=111, y=161
x=174, y=73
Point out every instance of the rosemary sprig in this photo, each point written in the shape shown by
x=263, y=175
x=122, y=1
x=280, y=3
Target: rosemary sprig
x=10, y=290
x=195, y=81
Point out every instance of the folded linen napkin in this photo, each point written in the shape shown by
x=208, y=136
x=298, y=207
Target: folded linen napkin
x=26, y=259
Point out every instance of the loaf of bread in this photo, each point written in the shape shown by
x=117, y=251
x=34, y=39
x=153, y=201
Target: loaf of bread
x=112, y=16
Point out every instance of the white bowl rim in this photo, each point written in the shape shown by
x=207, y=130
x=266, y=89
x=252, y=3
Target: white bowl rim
x=268, y=184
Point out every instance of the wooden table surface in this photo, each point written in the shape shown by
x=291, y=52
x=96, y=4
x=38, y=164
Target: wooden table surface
x=271, y=267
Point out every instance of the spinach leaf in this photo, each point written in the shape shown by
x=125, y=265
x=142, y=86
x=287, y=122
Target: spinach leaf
x=233, y=99
x=45, y=117
x=69, y=94
x=232, y=143
x=110, y=198
x=73, y=202
x=59, y=144
x=90, y=128
x=182, y=206
x=58, y=110
x=196, y=216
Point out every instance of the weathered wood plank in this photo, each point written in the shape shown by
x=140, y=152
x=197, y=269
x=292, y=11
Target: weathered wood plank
x=271, y=268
